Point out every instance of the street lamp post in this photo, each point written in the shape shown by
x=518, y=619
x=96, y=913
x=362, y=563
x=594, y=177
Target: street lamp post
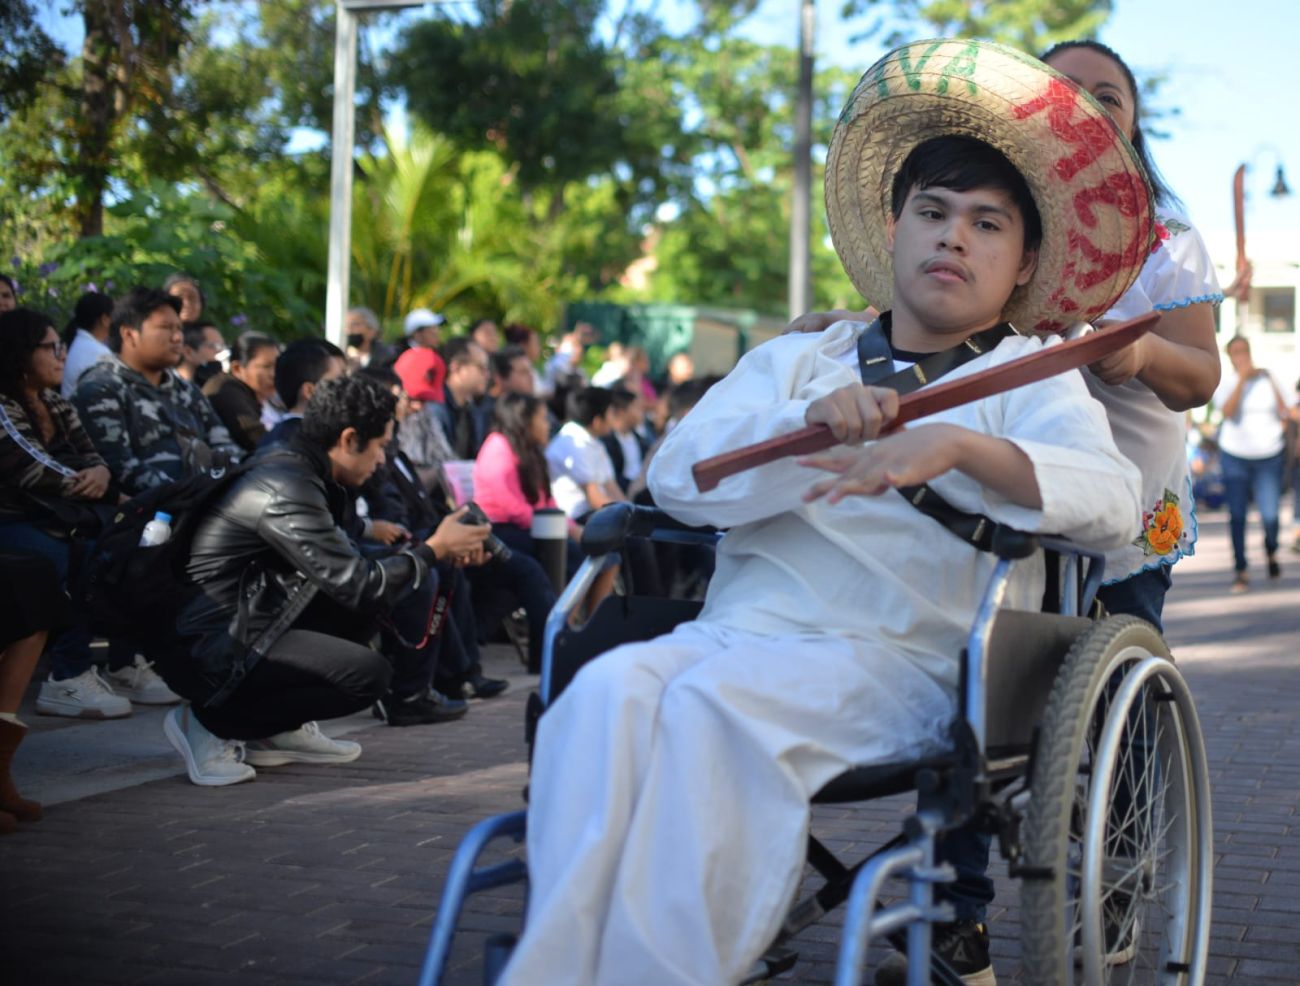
x=800, y=265
x=1239, y=289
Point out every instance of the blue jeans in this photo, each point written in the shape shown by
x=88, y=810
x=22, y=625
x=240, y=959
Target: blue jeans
x=966, y=848
x=70, y=653
x=1260, y=479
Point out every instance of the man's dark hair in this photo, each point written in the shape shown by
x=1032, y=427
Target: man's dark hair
x=133, y=308
x=962, y=164
x=457, y=350
x=621, y=398
x=194, y=331
x=516, y=334
x=588, y=404
x=347, y=402
x=503, y=358
x=687, y=394
x=303, y=361
x=386, y=376
x=90, y=308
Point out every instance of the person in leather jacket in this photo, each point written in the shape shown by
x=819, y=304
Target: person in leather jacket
x=276, y=636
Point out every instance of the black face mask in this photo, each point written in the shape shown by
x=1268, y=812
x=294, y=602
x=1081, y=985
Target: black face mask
x=356, y=340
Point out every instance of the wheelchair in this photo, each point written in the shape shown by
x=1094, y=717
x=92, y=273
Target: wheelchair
x=1076, y=745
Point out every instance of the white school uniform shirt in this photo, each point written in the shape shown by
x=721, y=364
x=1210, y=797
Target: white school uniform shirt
x=1177, y=273
x=84, y=353
x=876, y=568
x=575, y=458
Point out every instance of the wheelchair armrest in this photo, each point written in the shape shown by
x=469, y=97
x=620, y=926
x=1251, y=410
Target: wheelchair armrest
x=1011, y=544
x=609, y=528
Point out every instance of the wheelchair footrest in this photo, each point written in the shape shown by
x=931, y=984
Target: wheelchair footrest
x=775, y=962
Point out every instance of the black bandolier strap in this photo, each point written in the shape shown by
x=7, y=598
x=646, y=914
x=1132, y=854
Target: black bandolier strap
x=876, y=365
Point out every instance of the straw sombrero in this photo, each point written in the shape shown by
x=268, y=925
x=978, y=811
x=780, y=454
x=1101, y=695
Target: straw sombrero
x=1089, y=187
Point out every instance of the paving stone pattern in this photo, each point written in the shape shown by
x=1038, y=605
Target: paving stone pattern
x=331, y=875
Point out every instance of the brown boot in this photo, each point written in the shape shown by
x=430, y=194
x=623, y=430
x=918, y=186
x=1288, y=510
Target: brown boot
x=11, y=804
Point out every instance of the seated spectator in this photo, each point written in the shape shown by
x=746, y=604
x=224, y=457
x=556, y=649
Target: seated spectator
x=512, y=373
x=31, y=605
x=484, y=331
x=582, y=476
x=395, y=496
x=464, y=421
x=510, y=474
x=186, y=290
x=303, y=364
x=531, y=343
x=615, y=367
x=564, y=372
x=86, y=338
x=150, y=426
x=203, y=350
x=511, y=478
x=624, y=443
x=423, y=329
x=275, y=638
x=238, y=396
x=51, y=482
x=680, y=369
x=8, y=293
x=365, y=346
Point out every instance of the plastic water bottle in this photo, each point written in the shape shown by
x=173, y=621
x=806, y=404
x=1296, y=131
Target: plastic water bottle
x=157, y=531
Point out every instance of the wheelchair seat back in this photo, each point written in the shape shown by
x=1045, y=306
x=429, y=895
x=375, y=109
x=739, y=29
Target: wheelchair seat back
x=617, y=620
x=1026, y=652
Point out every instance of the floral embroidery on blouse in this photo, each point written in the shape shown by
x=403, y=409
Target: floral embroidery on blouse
x=1162, y=526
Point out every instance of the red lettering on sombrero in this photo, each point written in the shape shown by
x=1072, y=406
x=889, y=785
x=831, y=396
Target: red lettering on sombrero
x=1091, y=138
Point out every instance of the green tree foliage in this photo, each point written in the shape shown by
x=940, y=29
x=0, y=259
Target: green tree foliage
x=1031, y=25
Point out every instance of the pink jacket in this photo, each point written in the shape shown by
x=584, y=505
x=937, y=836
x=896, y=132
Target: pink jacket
x=496, y=484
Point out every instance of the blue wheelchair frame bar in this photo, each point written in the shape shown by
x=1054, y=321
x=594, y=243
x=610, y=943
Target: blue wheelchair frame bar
x=463, y=880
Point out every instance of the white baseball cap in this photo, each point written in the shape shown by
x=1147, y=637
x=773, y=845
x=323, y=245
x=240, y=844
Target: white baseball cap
x=421, y=318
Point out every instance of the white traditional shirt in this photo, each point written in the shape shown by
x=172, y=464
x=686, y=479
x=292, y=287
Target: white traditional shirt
x=575, y=458
x=1255, y=431
x=876, y=568
x=1178, y=273
x=84, y=353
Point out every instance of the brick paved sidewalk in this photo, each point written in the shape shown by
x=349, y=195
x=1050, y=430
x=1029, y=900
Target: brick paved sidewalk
x=332, y=874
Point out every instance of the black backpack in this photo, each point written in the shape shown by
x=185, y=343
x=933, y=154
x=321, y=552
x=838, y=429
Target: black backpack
x=126, y=590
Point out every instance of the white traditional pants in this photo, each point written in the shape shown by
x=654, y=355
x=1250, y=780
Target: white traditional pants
x=670, y=793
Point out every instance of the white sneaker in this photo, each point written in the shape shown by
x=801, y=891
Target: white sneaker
x=139, y=682
x=87, y=696
x=306, y=744
x=209, y=760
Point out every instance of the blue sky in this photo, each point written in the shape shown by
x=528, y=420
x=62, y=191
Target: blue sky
x=1230, y=68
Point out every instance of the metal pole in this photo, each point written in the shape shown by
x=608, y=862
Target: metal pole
x=342, y=134
x=800, y=272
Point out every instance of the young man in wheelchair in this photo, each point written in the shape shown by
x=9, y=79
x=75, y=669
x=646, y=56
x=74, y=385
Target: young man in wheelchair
x=671, y=781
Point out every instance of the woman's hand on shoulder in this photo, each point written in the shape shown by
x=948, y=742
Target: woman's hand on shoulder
x=821, y=321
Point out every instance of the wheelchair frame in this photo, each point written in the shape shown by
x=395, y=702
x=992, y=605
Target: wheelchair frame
x=976, y=780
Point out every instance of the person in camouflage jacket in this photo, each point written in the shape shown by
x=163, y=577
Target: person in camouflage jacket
x=150, y=425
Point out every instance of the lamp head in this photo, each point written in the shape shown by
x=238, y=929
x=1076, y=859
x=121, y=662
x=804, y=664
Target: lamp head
x=1280, y=187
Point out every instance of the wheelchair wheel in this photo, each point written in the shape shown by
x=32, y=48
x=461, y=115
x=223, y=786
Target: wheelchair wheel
x=1117, y=837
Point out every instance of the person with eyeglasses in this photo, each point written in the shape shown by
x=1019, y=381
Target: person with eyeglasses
x=55, y=488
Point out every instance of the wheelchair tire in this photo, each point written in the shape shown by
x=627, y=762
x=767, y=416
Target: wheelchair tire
x=1117, y=837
